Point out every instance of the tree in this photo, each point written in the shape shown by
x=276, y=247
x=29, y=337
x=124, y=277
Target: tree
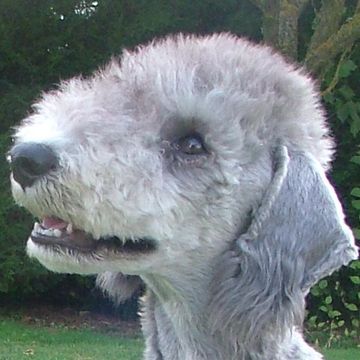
x=336, y=29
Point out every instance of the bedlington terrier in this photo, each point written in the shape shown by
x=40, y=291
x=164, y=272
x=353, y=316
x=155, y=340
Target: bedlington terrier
x=196, y=165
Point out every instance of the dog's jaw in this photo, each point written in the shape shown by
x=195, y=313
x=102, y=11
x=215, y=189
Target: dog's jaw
x=62, y=259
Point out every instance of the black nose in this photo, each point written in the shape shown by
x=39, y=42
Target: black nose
x=31, y=161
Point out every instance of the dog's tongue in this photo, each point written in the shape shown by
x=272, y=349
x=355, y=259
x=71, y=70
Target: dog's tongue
x=53, y=223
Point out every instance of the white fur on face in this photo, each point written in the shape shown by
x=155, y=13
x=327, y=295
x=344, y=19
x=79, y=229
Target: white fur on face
x=119, y=173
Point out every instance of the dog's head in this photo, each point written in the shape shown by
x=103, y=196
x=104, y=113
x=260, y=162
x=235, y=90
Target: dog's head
x=165, y=157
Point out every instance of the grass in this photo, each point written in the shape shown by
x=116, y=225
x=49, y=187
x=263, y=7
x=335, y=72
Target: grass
x=341, y=354
x=19, y=341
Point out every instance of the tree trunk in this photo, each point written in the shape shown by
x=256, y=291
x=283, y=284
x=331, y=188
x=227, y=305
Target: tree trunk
x=332, y=34
x=280, y=23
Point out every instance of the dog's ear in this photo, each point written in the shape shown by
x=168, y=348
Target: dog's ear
x=296, y=237
x=119, y=287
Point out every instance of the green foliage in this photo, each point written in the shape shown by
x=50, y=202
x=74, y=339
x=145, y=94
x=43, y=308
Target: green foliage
x=334, y=312
x=334, y=301
x=355, y=193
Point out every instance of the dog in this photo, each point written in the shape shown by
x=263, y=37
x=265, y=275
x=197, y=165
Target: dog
x=194, y=164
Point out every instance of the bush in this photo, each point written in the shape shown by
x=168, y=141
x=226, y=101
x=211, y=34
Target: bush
x=334, y=301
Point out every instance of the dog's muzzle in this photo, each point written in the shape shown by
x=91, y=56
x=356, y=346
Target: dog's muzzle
x=31, y=162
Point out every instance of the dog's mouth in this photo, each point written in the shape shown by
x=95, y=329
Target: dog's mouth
x=57, y=233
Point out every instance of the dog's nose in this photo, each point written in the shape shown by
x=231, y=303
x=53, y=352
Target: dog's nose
x=31, y=161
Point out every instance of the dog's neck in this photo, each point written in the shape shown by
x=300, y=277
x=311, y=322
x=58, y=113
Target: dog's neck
x=176, y=311
x=176, y=316
x=176, y=324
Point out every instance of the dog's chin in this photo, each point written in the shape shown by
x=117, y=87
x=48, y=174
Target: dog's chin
x=61, y=248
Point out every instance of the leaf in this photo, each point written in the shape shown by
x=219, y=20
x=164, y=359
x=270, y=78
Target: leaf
x=355, y=192
x=355, y=279
x=346, y=68
x=355, y=124
x=323, y=284
x=356, y=204
x=324, y=308
x=328, y=300
x=355, y=159
x=347, y=92
x=335, y=313
x=342, y=112
x=29, y=352
x=315, y=291
x=355, y=264
x=351, y=307
x=355, y=127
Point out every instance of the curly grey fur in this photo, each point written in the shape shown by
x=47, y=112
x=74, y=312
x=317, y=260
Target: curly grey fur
x=242, y=230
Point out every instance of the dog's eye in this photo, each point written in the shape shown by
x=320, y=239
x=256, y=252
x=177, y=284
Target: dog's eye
x=192, y=144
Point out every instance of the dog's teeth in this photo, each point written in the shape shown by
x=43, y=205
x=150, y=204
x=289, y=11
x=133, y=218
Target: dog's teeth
x=37, y=227
x=47, y=232
x=57, y=233
x=69, y=228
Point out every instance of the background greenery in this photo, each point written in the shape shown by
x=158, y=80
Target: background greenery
x=43, y=41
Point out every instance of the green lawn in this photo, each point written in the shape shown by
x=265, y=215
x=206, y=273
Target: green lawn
x=19, y=341
x=342, y=354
